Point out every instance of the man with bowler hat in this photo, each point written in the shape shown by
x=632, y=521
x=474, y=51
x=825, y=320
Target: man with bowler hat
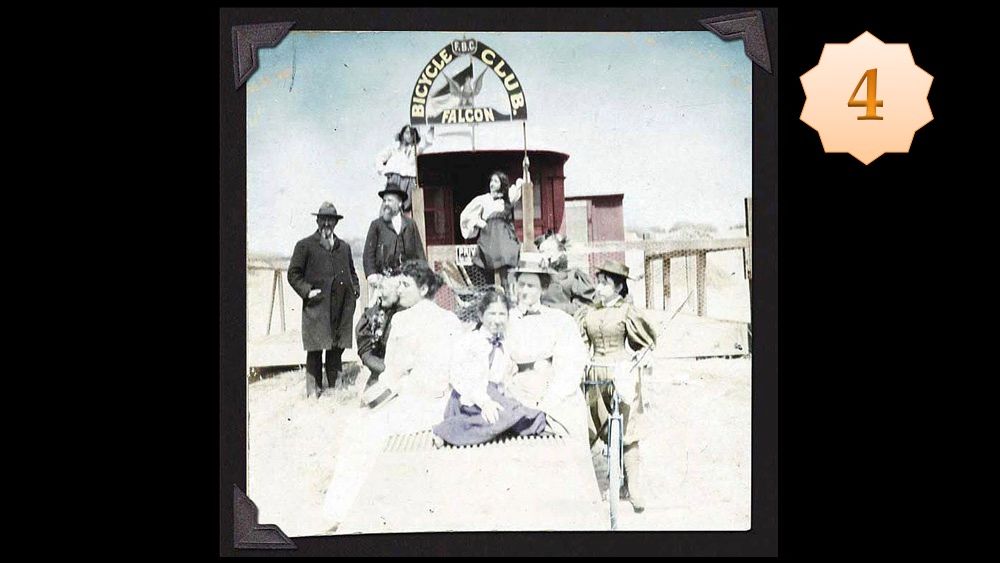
x=322, y=273
x=392, y=238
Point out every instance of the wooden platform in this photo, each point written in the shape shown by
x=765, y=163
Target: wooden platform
x=283, y=349
x=520, y=484
x=691, y=336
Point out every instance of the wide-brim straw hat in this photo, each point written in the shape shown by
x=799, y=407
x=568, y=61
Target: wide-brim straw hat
x=377, y=394
x=533, y=263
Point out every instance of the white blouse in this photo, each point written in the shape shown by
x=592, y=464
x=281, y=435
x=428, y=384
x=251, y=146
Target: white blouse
x=482, y=206
x=418, y=350
x=471, y=371
x=551, y=333
x=401, y=159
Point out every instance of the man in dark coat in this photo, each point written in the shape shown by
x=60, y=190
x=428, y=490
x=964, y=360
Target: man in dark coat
x=373, y=327
x=322, y=273
x=393, y=238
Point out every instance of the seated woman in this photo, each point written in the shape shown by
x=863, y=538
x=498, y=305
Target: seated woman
x=550, y=356
x=480, y=409
x=412, y=391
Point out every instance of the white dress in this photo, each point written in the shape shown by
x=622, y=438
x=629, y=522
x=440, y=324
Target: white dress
x=417, y=360
x=550, y=339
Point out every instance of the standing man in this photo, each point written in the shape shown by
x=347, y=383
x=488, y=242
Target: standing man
x=322, y=273
x=392, y=238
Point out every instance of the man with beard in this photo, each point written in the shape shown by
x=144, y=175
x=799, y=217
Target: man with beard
x=322, y=273
x=392, y=238
x=372, y=330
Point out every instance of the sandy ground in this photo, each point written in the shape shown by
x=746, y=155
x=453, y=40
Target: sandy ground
x=696, y=455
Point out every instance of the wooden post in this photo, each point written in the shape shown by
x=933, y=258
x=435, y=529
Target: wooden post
x=274, y=290
x=281, y=297
x=418, y=215
x=648, y=277
x=528, y=217
x=527, y=202
x=701, y=261
x=666, y=280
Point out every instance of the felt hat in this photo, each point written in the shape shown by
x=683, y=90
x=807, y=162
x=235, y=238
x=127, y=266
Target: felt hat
x=615, y=267
x=328, y=210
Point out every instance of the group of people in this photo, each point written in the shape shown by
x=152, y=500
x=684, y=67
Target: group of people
x=541, y=333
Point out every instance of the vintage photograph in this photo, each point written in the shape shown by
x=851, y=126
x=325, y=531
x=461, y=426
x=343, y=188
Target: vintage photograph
x=499, y=281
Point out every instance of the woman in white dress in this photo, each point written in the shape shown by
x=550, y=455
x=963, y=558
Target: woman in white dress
x=545, y=343
x=412, y=392
x=489, y=218
x=480, y=409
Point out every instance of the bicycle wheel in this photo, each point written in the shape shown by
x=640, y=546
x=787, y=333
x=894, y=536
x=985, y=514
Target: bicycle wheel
x=615, y=477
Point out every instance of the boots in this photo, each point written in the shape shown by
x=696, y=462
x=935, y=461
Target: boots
x=333, y=367
x=633, y=478
x=331, y=379
x=311, y=386
x=314, y=373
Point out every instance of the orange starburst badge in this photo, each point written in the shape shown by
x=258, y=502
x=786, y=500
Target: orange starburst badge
x=866, y=97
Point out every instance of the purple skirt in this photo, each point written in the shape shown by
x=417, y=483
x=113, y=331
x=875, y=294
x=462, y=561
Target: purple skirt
x=464, y=425
x=498, y=244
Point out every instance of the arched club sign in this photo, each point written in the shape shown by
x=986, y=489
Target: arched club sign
x=454, y=101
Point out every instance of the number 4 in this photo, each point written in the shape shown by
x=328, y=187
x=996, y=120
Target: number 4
x=869, y=103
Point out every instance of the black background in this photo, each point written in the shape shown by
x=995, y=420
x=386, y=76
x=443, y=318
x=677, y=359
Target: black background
x=849, y=244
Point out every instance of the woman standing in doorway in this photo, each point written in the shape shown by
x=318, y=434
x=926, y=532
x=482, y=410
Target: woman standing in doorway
x=490, y=217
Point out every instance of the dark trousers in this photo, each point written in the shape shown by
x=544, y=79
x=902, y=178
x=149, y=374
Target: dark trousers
x=314, y=366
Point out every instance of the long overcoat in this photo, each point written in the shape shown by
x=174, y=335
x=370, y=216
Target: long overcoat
x=327, y=318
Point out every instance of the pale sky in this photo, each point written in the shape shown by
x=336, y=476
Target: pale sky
x=664, y=117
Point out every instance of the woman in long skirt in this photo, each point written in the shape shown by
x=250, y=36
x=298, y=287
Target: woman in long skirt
x=479, y=408
x=490, y=217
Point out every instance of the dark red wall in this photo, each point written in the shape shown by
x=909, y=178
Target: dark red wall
x=608, y=220
x=605, y=222
x=464, y=175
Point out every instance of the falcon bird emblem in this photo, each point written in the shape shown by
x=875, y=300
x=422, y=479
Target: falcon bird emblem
x=467, y=92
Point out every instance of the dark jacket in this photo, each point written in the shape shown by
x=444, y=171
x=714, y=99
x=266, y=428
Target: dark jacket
x=385, y=249
x=568, y=291
x=372, y=333
x=327, y=317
